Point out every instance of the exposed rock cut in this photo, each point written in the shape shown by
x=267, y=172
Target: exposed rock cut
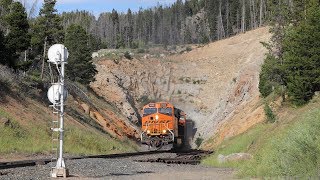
x=214, y=84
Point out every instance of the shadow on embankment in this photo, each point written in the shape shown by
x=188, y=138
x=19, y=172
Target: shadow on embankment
x=189, y=134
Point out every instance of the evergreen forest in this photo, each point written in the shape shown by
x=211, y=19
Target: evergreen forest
x=291, y=67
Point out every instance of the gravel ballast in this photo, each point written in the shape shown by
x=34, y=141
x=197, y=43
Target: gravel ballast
x=121, y=168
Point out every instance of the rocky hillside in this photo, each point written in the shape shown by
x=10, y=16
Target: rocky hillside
x=216, y=85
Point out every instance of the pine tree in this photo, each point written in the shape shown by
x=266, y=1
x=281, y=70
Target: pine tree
x=156, y=26
x=234, y=17
x=94, y=43
x=212, y=14
x=129, y=29
x=3, y=51
x=270, y=76
x=53, y=29
x=116, y=37
x=18, y=39
x=80, y=67
x=46, y=31
x=273, y=70
x=47, y=28
x=302, y=56
x=4, y=10
x=187, y=36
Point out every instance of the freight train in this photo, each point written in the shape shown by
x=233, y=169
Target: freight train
x=162, y=124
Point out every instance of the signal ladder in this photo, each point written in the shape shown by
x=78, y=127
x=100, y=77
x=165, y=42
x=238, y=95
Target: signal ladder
x=55, y=131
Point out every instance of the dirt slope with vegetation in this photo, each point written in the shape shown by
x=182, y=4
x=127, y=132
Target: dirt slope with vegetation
x=26, y=119
x=216, y=84
x=287, y=148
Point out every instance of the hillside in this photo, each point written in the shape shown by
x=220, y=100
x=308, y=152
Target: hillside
x=287, y=148
x=216, y=85
x=26, y=119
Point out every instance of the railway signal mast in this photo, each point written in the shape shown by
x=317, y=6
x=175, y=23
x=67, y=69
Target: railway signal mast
x=58, y=55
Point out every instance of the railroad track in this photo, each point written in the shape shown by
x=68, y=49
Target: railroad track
x=187, y=157
x=182, y=157
x=25, y=163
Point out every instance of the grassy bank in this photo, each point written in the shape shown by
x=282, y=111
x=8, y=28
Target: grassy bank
x=241, y=143
x=20, y=137
x=289, y=147
x=26, y=119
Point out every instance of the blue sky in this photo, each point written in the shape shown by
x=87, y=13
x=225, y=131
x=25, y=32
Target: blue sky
x=98, y=6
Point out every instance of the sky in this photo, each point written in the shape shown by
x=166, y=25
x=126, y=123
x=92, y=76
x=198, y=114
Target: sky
x=98, y=6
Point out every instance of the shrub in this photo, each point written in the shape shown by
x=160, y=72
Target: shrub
x=199, y=141
x=188, y=48
x=265, y=86
x=234, y=79
x=270, y=77
x=196, y=81
x=300, y=90
x=140, y=51
x=128, y=55
x=146, y=100
x=205, y=39
x=271, y=118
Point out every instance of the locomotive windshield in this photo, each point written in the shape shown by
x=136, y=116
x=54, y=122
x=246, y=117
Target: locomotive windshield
x=166, y=111
x=148, y=111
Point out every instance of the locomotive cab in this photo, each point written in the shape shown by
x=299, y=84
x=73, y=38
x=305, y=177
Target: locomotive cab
x=162, y=124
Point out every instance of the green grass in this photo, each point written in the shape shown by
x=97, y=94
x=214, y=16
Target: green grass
x=288, y=148
x=294, y=152
x=18, y=139
x=88, y=142
x=25, y=130
x=240, y=143
x=36, y=139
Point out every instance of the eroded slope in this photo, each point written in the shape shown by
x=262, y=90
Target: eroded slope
x=214, y=84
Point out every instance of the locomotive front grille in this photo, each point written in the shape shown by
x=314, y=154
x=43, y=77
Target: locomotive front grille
x=157, y=128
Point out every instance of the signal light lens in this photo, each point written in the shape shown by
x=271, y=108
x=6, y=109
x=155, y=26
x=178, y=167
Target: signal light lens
x=157, y=117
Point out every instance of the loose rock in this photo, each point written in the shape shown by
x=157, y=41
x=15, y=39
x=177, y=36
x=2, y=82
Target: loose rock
x=234, y=157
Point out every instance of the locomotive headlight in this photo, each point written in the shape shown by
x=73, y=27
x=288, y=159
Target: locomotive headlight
x=157, y=117
x=148, y=131
x=164, y=131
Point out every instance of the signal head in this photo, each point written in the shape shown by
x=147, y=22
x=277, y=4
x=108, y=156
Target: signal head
x=57, y=54
x=54, y=93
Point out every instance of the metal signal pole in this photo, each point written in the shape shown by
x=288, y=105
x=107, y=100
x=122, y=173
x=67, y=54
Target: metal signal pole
x=60, y=162
x=58, y=55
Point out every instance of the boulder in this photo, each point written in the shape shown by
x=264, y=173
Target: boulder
x=221, y=158
x=4, y=121
x=147, y=56
x=234, y=157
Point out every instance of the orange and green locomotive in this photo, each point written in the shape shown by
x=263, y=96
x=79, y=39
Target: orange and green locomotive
x=162, y=124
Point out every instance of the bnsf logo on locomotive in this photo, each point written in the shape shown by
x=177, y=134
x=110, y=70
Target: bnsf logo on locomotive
x=162, y=124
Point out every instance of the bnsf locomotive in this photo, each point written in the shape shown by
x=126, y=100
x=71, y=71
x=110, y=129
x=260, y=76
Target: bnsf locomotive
x=162, y=124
